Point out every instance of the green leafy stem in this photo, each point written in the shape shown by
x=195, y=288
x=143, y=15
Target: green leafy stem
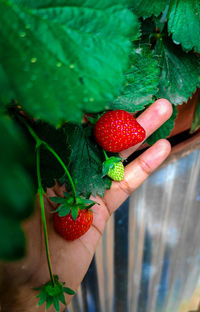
x=39, y=143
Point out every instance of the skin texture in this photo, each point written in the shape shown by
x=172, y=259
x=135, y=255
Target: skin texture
x=20, y=277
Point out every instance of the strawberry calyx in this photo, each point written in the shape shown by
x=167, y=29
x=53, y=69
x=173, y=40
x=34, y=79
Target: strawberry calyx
x=93, y=118
x=53, y=294
x=68, y=204
x=109, y=163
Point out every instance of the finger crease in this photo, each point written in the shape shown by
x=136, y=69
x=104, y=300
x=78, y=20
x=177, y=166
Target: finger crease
x=125, y=187
x=144, y=166
x=96, y=228
x=106, y=206
x=85, y=246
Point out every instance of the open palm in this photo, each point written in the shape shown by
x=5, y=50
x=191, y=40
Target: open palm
x=70, y=260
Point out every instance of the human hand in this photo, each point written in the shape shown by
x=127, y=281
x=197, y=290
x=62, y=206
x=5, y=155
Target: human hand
x=70, y=260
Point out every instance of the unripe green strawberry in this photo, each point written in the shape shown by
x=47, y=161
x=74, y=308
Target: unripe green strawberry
x=116, y=173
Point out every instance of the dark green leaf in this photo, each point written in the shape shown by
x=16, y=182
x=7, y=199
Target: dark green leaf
x=62, y=61
x=196, y=120
x=179, y=74
x=64, y=210
x=56, y=210
x=68, y=291
x=146, y=8
x=184, y=23
x=106, y=168
x=56, y=304
x=62, y=298
x=52, y=294
x=91, y=205
x=58, y=200
x=101, y=4
x=42, y=298
x=142, y=80
x=164, y=130
x=114, y=159
x=16, y=189
x=49, y=302
x=85, y=164
x=84, y=201
x=67, y=195
x=12, y=239
x=42, y=295
x=74, y=212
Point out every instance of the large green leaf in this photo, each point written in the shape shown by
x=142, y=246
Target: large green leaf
x=85, y=161
x=100, y=4
x=179, y=74
x=146, y=8
x=141, y=81
x=184, y=23
x=165, y=130
x=60, y=62
x=196, y=120
x=16, y=190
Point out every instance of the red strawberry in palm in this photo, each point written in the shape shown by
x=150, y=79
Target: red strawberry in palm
x=118, y=130
x=71, y=229
x=73, y=216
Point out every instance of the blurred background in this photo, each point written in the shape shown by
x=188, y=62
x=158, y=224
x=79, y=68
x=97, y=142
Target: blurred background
x=149, y=257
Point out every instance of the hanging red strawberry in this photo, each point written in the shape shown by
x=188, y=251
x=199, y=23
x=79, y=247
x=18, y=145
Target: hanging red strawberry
x=118, y=130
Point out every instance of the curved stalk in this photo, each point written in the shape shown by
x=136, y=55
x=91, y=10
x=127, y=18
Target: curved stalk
x=40, y=191
x=106, y=156
x=38, y=143
x=64, y=167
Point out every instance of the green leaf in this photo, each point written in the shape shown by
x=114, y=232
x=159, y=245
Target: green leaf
x=141, y=80
x=56, y=304
x=101, y=4
x=84, y=201
x=146, y=8
x=16, y=189
x=42, y=296
x=74, y=212
x=85, y=161
x=114, y=159
x=49, y=302
x=53, y=294
x=107, y=167
x=62, y=299
x=58, y=200
x=12, y=239
x=196, y=119
x=68, y=291
x=64, y=210
x=164, y=130
x=64, y=60
x=179, y=74
x=184, y=23
x=68, y=195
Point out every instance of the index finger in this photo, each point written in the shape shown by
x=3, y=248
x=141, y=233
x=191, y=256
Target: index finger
x=136, y=173
x=151, y=119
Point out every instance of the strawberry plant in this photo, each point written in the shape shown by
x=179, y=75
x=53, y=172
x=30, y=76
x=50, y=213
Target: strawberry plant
x=62, y=63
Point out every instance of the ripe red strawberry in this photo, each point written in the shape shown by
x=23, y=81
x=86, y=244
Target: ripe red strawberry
x=118, y=130
x=71, y=229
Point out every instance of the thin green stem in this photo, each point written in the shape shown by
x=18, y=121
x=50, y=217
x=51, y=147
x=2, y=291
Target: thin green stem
x=64, y=167
x=40, y=191
x=32, y=132
x=38, y=143
x=106, y=156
